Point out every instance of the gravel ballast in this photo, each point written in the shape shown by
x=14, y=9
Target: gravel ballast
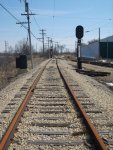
x=39, y=107
x=99, y=93
x=14, y=87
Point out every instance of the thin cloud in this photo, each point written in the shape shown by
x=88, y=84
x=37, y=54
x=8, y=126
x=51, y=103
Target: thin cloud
x=46, y=12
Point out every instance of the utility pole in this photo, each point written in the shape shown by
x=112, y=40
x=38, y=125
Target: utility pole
x=57, y=47
x=99, y=41
x=49, y=45
x=6, y=46
x=51, y=48
x=48, y=41
x=27, y=14
x=43, y=34
x=99, y=34
x=36, y=47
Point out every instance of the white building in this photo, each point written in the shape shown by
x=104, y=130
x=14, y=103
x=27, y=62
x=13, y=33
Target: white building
x=92, y=50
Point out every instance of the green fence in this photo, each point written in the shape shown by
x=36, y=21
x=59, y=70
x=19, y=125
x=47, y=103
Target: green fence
x=106, y=50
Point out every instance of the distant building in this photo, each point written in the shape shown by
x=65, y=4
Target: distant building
x=108, y=39
x=96, y=50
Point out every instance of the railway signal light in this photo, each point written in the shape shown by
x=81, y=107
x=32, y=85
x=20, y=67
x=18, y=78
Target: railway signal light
x=79, y=35
x=79, y=32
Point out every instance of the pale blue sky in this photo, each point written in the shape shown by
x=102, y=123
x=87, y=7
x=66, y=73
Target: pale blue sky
x=67, y=15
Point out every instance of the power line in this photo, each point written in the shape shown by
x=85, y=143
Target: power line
x=33, y=16
x=14, y=17
x=21, y=23
x=36, y=22
x=8, y=12
x=54, y=7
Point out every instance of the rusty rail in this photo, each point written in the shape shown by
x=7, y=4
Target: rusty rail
x=98, y=141
x=6, y=139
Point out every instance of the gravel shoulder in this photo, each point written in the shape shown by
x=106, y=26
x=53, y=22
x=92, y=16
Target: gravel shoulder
x=104, y=79
x=99, y=93
x=104, y=69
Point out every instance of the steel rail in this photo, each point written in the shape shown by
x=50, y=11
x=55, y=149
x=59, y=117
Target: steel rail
x=6, y=139
x=99, y=144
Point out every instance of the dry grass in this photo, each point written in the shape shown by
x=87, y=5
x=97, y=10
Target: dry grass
x=8, y=71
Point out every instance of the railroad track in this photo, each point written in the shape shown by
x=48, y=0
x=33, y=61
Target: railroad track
x=52, y=116
x=104, y=64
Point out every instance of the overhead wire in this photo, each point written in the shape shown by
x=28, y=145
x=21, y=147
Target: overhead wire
x=53, y=16
x=14, y=17
x=54, y=7
x=33, y=15
x=35, y=21
x=8, y=12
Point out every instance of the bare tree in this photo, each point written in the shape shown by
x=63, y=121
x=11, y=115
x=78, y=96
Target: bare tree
x=92, y=41
x=22, y=47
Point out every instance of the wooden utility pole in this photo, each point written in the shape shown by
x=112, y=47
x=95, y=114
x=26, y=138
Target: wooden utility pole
x=51, y=48
x=99, y=41
x=6, y=46
x=57, y=47
x=29, y=32
x=49, y=45
x=43, y=34
x=48, y=41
